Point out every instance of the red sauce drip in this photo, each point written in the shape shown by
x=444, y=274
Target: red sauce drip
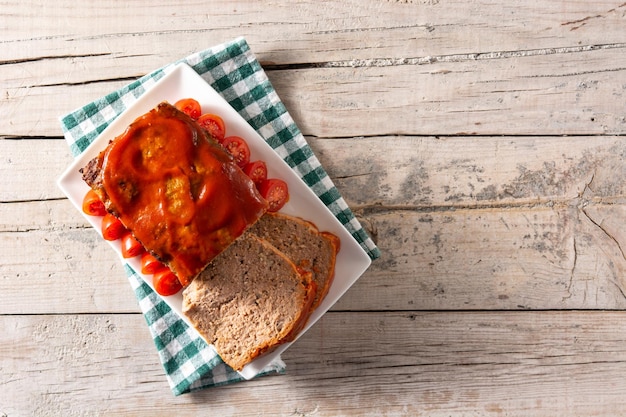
x=178, y=191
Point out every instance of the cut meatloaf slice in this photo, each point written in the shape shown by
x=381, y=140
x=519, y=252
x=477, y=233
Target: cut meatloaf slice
x=304, y=244
x=249, y=300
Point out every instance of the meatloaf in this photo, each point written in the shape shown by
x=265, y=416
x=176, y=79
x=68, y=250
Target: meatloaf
x=261, y=291
x=177, y=190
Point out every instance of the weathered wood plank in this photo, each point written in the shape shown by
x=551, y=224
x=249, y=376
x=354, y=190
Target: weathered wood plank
x=425, y=173
x=528, y=95
x=342, y=30
x=540, y=258
x=30, y=168
x=480, y=364
x=531, y=95
x=560, y=257
x=61, y=270
x=408, y=172
x=498, y=223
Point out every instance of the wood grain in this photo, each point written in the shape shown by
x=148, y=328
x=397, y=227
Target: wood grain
x=456, y=97
x=513, y=223
x=357, y=364
x=448, y=65
x=340, y=31
x=408, y=172
x=540, y=258
x=444, y=173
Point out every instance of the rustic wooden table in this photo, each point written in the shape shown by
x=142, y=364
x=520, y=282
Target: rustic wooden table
x=481, y=143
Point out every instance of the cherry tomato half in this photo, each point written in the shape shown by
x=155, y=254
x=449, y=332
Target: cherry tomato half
x=166, y=282
x=112, y=227
x=257, y=171
x=238, y=148
x=276, y=192
x=150, y=265
x=92, y=205
x=131, y=247
x=190, y=107
x=213, y=124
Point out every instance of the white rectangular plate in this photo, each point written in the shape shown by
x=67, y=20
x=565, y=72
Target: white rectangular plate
x=183, y=82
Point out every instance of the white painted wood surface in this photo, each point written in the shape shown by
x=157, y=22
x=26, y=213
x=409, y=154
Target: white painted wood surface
x=480, y=142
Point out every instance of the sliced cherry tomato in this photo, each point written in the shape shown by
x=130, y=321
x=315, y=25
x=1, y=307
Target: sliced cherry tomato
x=112, y=227
x=166, y=282
x=276, y=192
x=131, y=247
x=213, y=124
x=92, y=205
x=150, y=265
x=238, y=148
x=190, y=107
x=257, y=171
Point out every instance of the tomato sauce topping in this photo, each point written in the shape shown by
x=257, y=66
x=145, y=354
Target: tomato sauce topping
x=179, y=192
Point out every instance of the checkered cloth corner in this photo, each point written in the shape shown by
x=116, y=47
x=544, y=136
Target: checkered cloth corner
x=234, y=72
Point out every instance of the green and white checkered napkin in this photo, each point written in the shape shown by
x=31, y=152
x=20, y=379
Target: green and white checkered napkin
x=233, y=71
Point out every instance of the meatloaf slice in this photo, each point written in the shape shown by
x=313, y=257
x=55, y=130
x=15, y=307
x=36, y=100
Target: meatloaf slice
x=249, y=300
x=302, y=242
